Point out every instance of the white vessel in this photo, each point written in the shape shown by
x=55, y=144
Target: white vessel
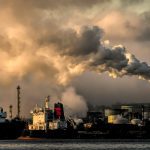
x=47, y=121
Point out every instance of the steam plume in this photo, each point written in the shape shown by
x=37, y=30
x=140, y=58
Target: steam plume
x=75, y=104
x=85, y=51
x=118, y=62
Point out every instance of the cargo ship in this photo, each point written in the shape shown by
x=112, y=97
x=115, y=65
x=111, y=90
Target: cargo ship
x=49, y=123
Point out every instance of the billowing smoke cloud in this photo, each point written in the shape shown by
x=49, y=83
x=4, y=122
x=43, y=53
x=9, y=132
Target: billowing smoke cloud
x=85, y=42
x=46, y=44
x=84, y=51
x=118, y=62
x=34, y=46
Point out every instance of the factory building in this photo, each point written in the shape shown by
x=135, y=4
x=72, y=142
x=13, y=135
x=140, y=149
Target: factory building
x=131, y=112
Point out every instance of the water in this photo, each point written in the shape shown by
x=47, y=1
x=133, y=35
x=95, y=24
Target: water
x=74, y=145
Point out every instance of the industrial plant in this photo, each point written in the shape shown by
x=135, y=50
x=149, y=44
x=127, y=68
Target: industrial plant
x=117, y=121
x=121, y=121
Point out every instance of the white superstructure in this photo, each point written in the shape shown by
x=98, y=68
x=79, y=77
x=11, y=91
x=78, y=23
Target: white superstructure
x=39, y=117
x=47, y=119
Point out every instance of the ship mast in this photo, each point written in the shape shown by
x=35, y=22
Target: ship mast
x=18, y=101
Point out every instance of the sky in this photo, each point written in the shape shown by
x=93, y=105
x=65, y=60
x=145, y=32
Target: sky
x=80, y=52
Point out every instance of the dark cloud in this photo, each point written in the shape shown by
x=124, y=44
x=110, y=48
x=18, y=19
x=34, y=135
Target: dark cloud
x=88, y=42
x=112, y=58
x=71, y=43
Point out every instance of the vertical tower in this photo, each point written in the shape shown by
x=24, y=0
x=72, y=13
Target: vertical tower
x=47, y=102
x=10, y=111
x=18, y=101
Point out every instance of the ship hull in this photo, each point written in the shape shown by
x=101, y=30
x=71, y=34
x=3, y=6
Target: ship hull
x=59, y=134
x=11, y=129
x=109, y=131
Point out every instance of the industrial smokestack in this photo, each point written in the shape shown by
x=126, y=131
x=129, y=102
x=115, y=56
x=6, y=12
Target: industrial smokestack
x=59, y=111
x=18, y=101
x=10, y=111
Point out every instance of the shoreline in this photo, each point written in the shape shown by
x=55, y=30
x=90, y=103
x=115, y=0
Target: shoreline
x=81, y=140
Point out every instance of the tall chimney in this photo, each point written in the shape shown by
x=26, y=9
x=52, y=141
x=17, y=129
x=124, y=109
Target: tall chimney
x=10, y=111
x=18, y=101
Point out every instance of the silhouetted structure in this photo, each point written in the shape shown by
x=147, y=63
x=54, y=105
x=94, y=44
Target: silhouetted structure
x=10, y=111
x=18, y=101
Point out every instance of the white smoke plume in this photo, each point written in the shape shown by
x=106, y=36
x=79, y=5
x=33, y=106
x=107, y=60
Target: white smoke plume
x=74, y=104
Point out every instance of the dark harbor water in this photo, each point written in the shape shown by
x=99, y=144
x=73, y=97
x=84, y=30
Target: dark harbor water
x=74, y=144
